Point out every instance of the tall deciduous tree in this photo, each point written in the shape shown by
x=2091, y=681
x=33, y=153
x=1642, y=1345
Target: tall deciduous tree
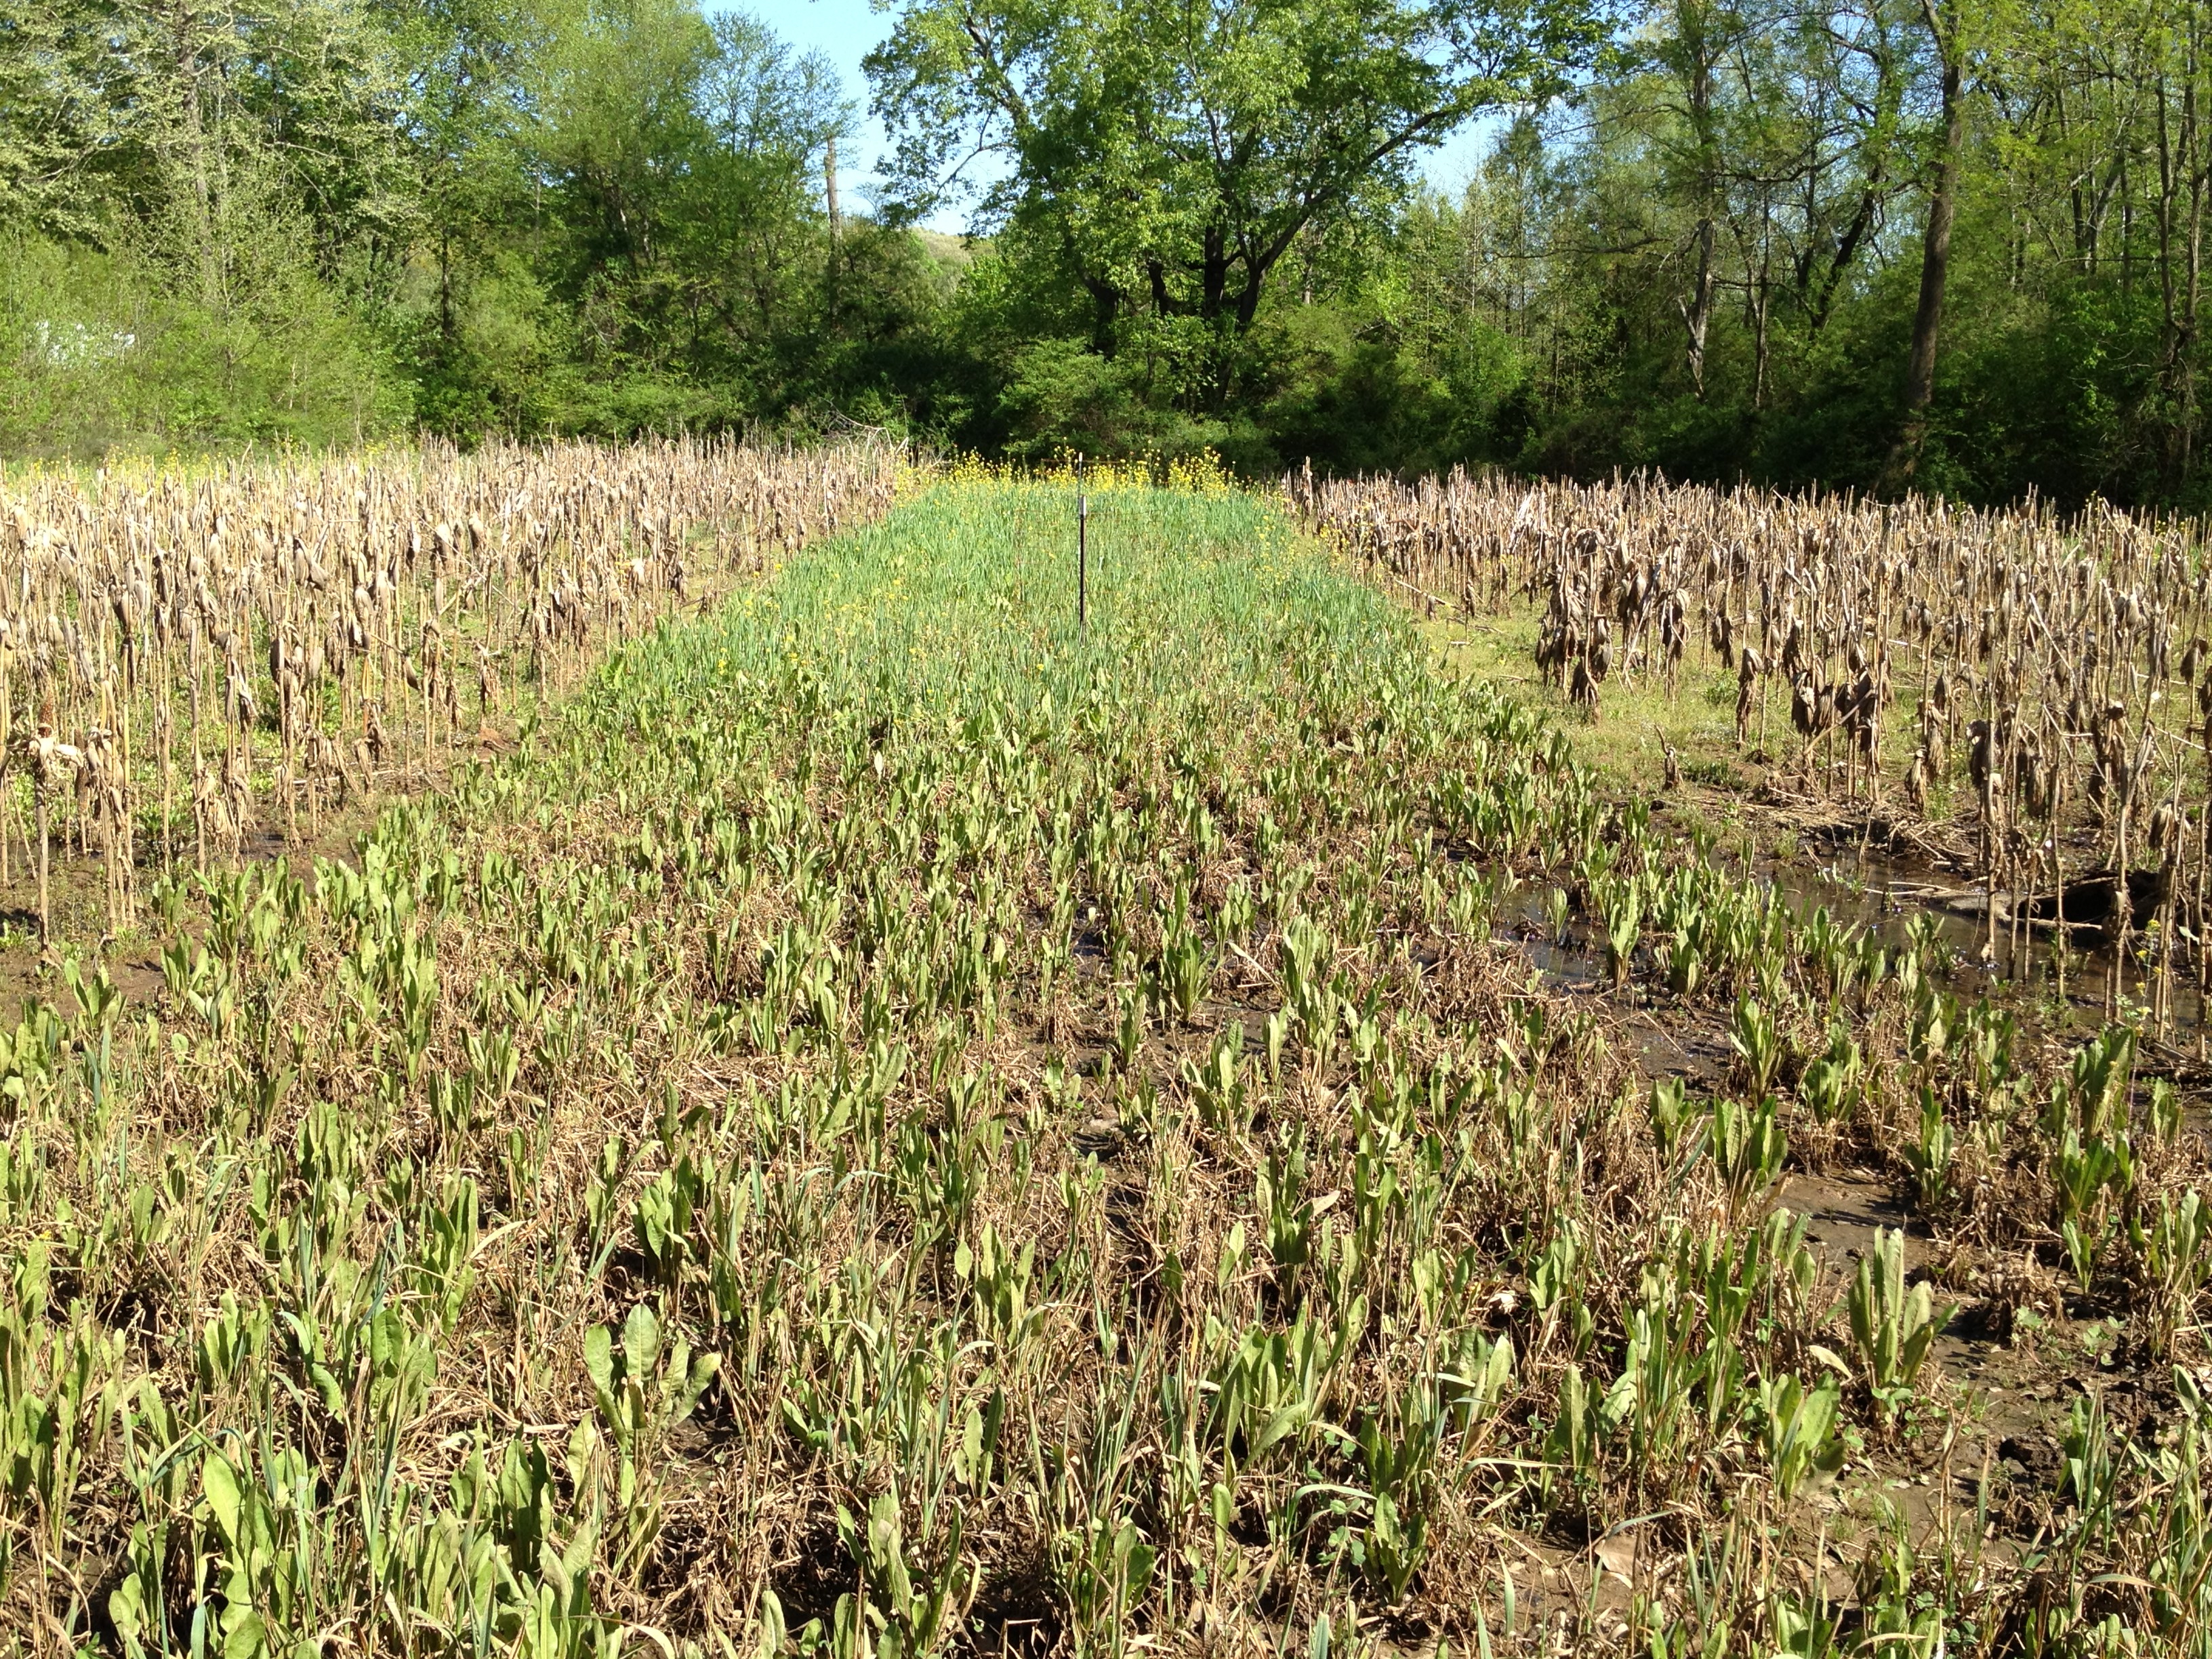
x=67, y=98
x=1172, y=155
x=1944, y=33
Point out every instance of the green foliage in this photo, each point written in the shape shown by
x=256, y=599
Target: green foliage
x=719, y=1107
x=1172, y=160
x=315, y=224
x=1893, y=1325
x=107, y=352
x=326, y=221
x=1799, y=1430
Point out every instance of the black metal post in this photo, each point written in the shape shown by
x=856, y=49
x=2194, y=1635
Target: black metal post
x=1081, y=561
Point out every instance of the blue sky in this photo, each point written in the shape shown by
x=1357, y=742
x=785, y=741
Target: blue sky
x=845, y=31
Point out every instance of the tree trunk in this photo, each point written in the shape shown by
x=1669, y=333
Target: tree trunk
x=186, y=23
x=836, y=224
x=1699, y=51
x=1762, y=305
x=1105, y=310
x=1935, y=268
x=2169, y=168
x=1697, y=314
x=2182, y=348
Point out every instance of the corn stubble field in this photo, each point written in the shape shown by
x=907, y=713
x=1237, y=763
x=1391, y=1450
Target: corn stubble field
x=886, y=1126
x=2056, y=670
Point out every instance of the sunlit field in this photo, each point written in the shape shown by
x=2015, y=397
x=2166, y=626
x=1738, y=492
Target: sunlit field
x=874, y=1120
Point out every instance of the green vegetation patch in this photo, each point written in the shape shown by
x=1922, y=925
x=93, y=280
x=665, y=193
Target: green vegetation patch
x=905, y=1125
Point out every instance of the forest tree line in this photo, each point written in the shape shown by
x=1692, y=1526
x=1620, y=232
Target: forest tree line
x=1952, y=245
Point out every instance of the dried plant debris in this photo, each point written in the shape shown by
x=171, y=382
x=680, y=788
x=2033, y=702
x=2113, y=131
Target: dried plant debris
x=2025, y=699
x=898, y=1126
x=194, y=664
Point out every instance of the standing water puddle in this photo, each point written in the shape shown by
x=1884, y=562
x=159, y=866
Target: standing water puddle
x=1896, y=899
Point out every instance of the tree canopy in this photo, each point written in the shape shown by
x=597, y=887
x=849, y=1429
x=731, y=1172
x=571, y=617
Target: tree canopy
x=1171, y=155
x=1953, y=245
